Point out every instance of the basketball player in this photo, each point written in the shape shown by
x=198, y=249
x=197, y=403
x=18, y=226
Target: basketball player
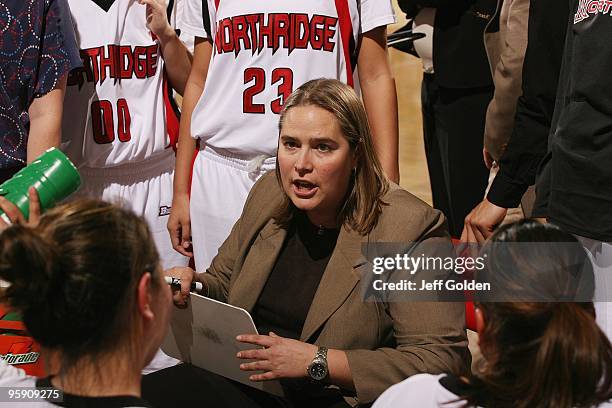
x=249, y=57
x=119, y=116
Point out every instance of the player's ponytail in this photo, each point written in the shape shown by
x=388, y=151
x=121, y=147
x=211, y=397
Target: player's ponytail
x=30, y=265
x=573, y=365
x=541, y=349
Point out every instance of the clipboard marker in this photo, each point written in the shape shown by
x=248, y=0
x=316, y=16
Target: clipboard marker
x=195, y=286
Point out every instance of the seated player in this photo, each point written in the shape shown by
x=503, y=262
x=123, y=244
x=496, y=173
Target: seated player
x=539, y=353
x=87, y=281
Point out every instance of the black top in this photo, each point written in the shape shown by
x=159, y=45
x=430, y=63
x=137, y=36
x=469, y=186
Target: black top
x=459, y=55
x=284, y=302
x=574, y=188
x=534, y=112
x=77, y=401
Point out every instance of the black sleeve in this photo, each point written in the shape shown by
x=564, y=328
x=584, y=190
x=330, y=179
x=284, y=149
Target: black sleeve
x=412, y=7
x=527, y=147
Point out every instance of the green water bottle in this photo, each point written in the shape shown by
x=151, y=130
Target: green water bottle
x=53, y=176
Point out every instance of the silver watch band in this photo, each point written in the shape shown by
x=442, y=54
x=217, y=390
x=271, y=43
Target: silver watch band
x=321, y=353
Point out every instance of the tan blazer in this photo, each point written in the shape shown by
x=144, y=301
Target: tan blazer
x=506, y=49
x=384, y=343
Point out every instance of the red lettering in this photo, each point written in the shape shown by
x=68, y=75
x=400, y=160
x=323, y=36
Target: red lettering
x=284, y=89
x=281, y=30
x=93, y=54
x=140, y=64
x=126, y=66
x=259, y=76
x=316, y=32
x=252, y=20
x=152, y=60
x=227, y=35
x=123, y=121
x=266, y=31
x=108, y=61
x=301, y=31
x=102, y=122
x=241, y=34
x=219, y=39
x=329, y=33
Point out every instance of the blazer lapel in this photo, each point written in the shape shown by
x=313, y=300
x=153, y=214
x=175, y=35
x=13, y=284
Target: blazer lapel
x=337, y=282
x=257, y=266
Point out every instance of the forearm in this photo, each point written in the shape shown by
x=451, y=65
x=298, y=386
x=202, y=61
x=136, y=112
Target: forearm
x=45, y=115
x=177, y=59
x=526, y=149
x=184, y=157
x=44, y=133
x=193, y=92
x=380, y=99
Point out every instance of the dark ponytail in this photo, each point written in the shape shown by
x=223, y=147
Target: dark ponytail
x=29, y=264
x=575, y=352
x=73, y=278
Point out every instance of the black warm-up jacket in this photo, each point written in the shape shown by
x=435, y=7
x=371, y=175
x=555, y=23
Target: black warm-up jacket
x=574, y=185
x=548, y=21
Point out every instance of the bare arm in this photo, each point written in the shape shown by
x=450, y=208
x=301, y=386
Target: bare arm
x=179, y=222
x=193, y=91
x=46, y=121
x=177, y=57
x=178, y=60
x=380, y=98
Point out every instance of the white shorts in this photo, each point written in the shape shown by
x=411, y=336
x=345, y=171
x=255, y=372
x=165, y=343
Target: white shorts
x=144, y=187
x=219, y=189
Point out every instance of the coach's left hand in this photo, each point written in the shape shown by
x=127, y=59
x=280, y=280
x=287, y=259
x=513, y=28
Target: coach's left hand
x=157, y=18
x=280, y=357
x=16, y=216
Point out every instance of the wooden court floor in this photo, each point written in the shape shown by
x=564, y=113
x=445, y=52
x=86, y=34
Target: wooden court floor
x=408, y=74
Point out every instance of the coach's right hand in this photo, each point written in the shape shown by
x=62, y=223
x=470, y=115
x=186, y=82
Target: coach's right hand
x=179, y=225
x=186, y=276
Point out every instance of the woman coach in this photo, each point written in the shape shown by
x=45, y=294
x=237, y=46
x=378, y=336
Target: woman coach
x=293, y=259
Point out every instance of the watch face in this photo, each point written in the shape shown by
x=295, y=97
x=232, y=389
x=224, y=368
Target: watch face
x=318, y=371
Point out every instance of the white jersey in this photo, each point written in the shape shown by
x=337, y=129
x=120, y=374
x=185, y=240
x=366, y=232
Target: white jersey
x=117, y=108
x=262, y=51
x=427, y=391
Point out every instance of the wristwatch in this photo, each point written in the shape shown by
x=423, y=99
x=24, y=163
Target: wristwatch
x=318, y=370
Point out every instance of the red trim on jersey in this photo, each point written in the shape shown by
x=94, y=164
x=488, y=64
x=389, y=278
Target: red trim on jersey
x=216, y=4
x=470, y=315
x=346, y=34
x=172, y=118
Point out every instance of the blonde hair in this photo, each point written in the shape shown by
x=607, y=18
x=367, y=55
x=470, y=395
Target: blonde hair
x=363, y=203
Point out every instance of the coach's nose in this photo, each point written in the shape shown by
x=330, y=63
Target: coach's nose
x=303, y=161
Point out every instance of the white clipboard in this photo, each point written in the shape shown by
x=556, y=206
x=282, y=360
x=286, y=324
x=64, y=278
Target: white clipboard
x=204, y=334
